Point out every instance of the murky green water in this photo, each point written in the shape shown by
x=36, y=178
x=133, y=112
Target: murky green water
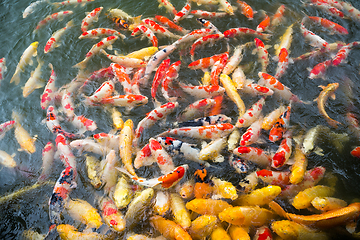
x=30, y=210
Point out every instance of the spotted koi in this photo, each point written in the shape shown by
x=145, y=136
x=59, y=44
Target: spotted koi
x=170, y=75
x=217, y=68
x=167, y=22
x=65, y=152
x=237, y=32
x=203, y=91
x=280, y=126
x=124, y=61
x=84, y=124
x=333, y=47
x=183, y=13
x=254, y=155
x=122, y=77
x=351, y=10
x=283, y=63
x=192, y=36
x=226, y=6
x=204, y=40
x=264, y=24
x=263, y=54
x=246, y=9
x=196, y=109
x=168, y=6
x=130, y=100
x=342, y=54
x=251, y=134
x=283, y=153
x=205, y=63
x=47, y=161
x=156, y=28
x=152, y=117
x=93, y=16
x=272, y=117
x=144, y=157
x=256, y=89
x=208, y=25
x=6, y=126
x=71, y=2
x=105, y=90
x=319, y=70
x=278, y=16
x=67, y=104
x=315, y=40
x=111, y=215
x=206, y=14
x=55, y=16
x=163, y=159
x=97, y=32
x=49, y=90
x=159, y=76
x=332, y=26
x=251, y=114
x=204, y=121
x=277, y=178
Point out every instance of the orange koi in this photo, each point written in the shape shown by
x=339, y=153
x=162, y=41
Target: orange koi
x=246, y=9
x=167, y=22
x=264, y=24
x=169, y=229
x=321, y=101
x=202, y=226
x=183, y=13
x=278, y=16
x=333, y=27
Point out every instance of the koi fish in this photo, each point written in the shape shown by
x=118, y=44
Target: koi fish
x=49, y=90
x=315, y=40
x=152, y=117
x=49, y=18
x=35, y=81
x=124, y=60
x=31, y=8
x=91, y=17
x=325, y=204
x=71, y=2
x=144, y=53
x=204, y=40
x=2, y=68
x=192, y=36
x=246, y=9
x=125, y=145
x=52, y=122
x=24, y=61
x=263, y=54
x=251, y=134
x=272, y=117
x=94, y=171
x=246, y=216
x=26, y=142
x=6, y=126
x=120, y=23
x=278, y=17
x=167, y=22
x=205, y=63
x=226, y=6
x=299, y=167
x=97, y=32
x=322, y=98
x=130, y=100
x=196, y=109
x=168, y=228
x=109, y=175
x=105, y=90
x=207, y=206
x=105, y=42
x=325, y=220
x=90, y=145
x=232, y=92
x=202, y=91
x=278, y=178
x=68, y=104
x=84, y=124
x=212, y=150
x=158, y=28
x=170, y=75
x=264, y=24
x=163, y=159
x=342, y=54
x=256, y=89
x=259, y=197
x=285, y=40
x=283, y=62
x=122, y=76
x=67, y=231
x=60, y=195
x=319, y=70
x=205, y=14
x=332, y=26
x=65, y=152
x=118, y=13
x=204, y=121
x=168, y=6
x=237, y=32
x=7, y=160
x=208, y=25
x=206, y=2
x=283, y=153
x=166, y=181
x=235, y=59
x=351, y=10
x=177, y=147
x=280, y=126
x=83, y=212
x=183, y=13
x=328, y=8
x=291, y=230
x=112, y=217
x=180, y=212
x=254, y=155
x=159, y=76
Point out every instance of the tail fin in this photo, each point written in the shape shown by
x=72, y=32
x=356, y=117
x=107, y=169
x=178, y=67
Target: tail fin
x=16, y=77
x=137, y=20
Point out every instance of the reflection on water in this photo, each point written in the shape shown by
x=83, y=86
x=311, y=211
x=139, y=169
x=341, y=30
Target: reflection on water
x=31, y=209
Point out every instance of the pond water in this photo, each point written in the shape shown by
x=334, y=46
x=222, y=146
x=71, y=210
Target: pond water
x=30, y=210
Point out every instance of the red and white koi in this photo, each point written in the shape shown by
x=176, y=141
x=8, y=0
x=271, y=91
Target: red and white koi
x=319, y=70
x=196, y=109
x=278, y=16
x=2, y=68
x=49, y=90
x=135, y=83
x=212, y=38
x=251, y=115
x=235, y=59
x=315, y=40
x=277, y=178
x=60, y=195
x=130, y=100
x=237, y=32
x=263, y=233
x=283, y=62
x=283, y=153
x=168, y=6
x=177, y=147
x=97, y=32
x=251, y=134
x=166, y=181
x=152, y=117
x=246, y=10
x=25, y=59
x=206, y=14
x=167, y=22
x=55, y=16
x=263, y=54
x=238, y=164
x=192, y=36
x=208, y=25
x=280, y=126
x=202, y=132
x=93, y=16
x=144, y=157
x=108, y=140
x=104, y=43
x=264, y=24
x=122, y=77
x=216, y=70
x=256, y=89
x=159, y=76
x=205, y=63
x=84, y=124
x=31, y=8
x=226, y=6
x=203, y=91
x=332, y=3
x=170, y=75
x=102, y=73
x=163, y=159
x=183, y=13
x=328, y=8
x=156, y=28
x=350, y=10
x=66, y=155
x=111, y=215
x=6, y=126
x=333, y=47
x=90, y=145
x=342, y=54
x=105, y=90
x=71, y=2
x=204, y=121
x=47, y=161
x=330, y=25
x=254, y=155
x=269, y=81
x=124, y=61
x=156, y=59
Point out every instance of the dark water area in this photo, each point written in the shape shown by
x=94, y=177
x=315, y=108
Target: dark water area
x=30, y=209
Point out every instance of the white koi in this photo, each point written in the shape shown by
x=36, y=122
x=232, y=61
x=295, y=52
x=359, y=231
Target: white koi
x=7, y=160
x=110, y=174
x=31, y=8
x=35, y=81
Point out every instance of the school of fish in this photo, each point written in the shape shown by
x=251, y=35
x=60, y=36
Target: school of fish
x=156, y=169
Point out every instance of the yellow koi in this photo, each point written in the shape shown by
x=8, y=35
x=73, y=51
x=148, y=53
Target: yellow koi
x=138, y=206
x=325, y=204
x=117, y=120
x=291, y=230
x=259, y=197
x=169, y=229
x=162, y=202
x=239, y=233
x=122, y=193
x=303, y=199
x=125, y=145
x=219, y=233
x=224, y=189
x=212, y=150
x=207, y=206
x=144, y=53
x=24, y=61
x=202, y=226
x=321, y=101
x=93, y=170
x=35, y=81
x=247, y=216
x=82, y=211
x=181, y=214
x=27, y=143
x=298, y=169
x=69, y=232
x=285, y=40
x=206, y=80
x=232, y=93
